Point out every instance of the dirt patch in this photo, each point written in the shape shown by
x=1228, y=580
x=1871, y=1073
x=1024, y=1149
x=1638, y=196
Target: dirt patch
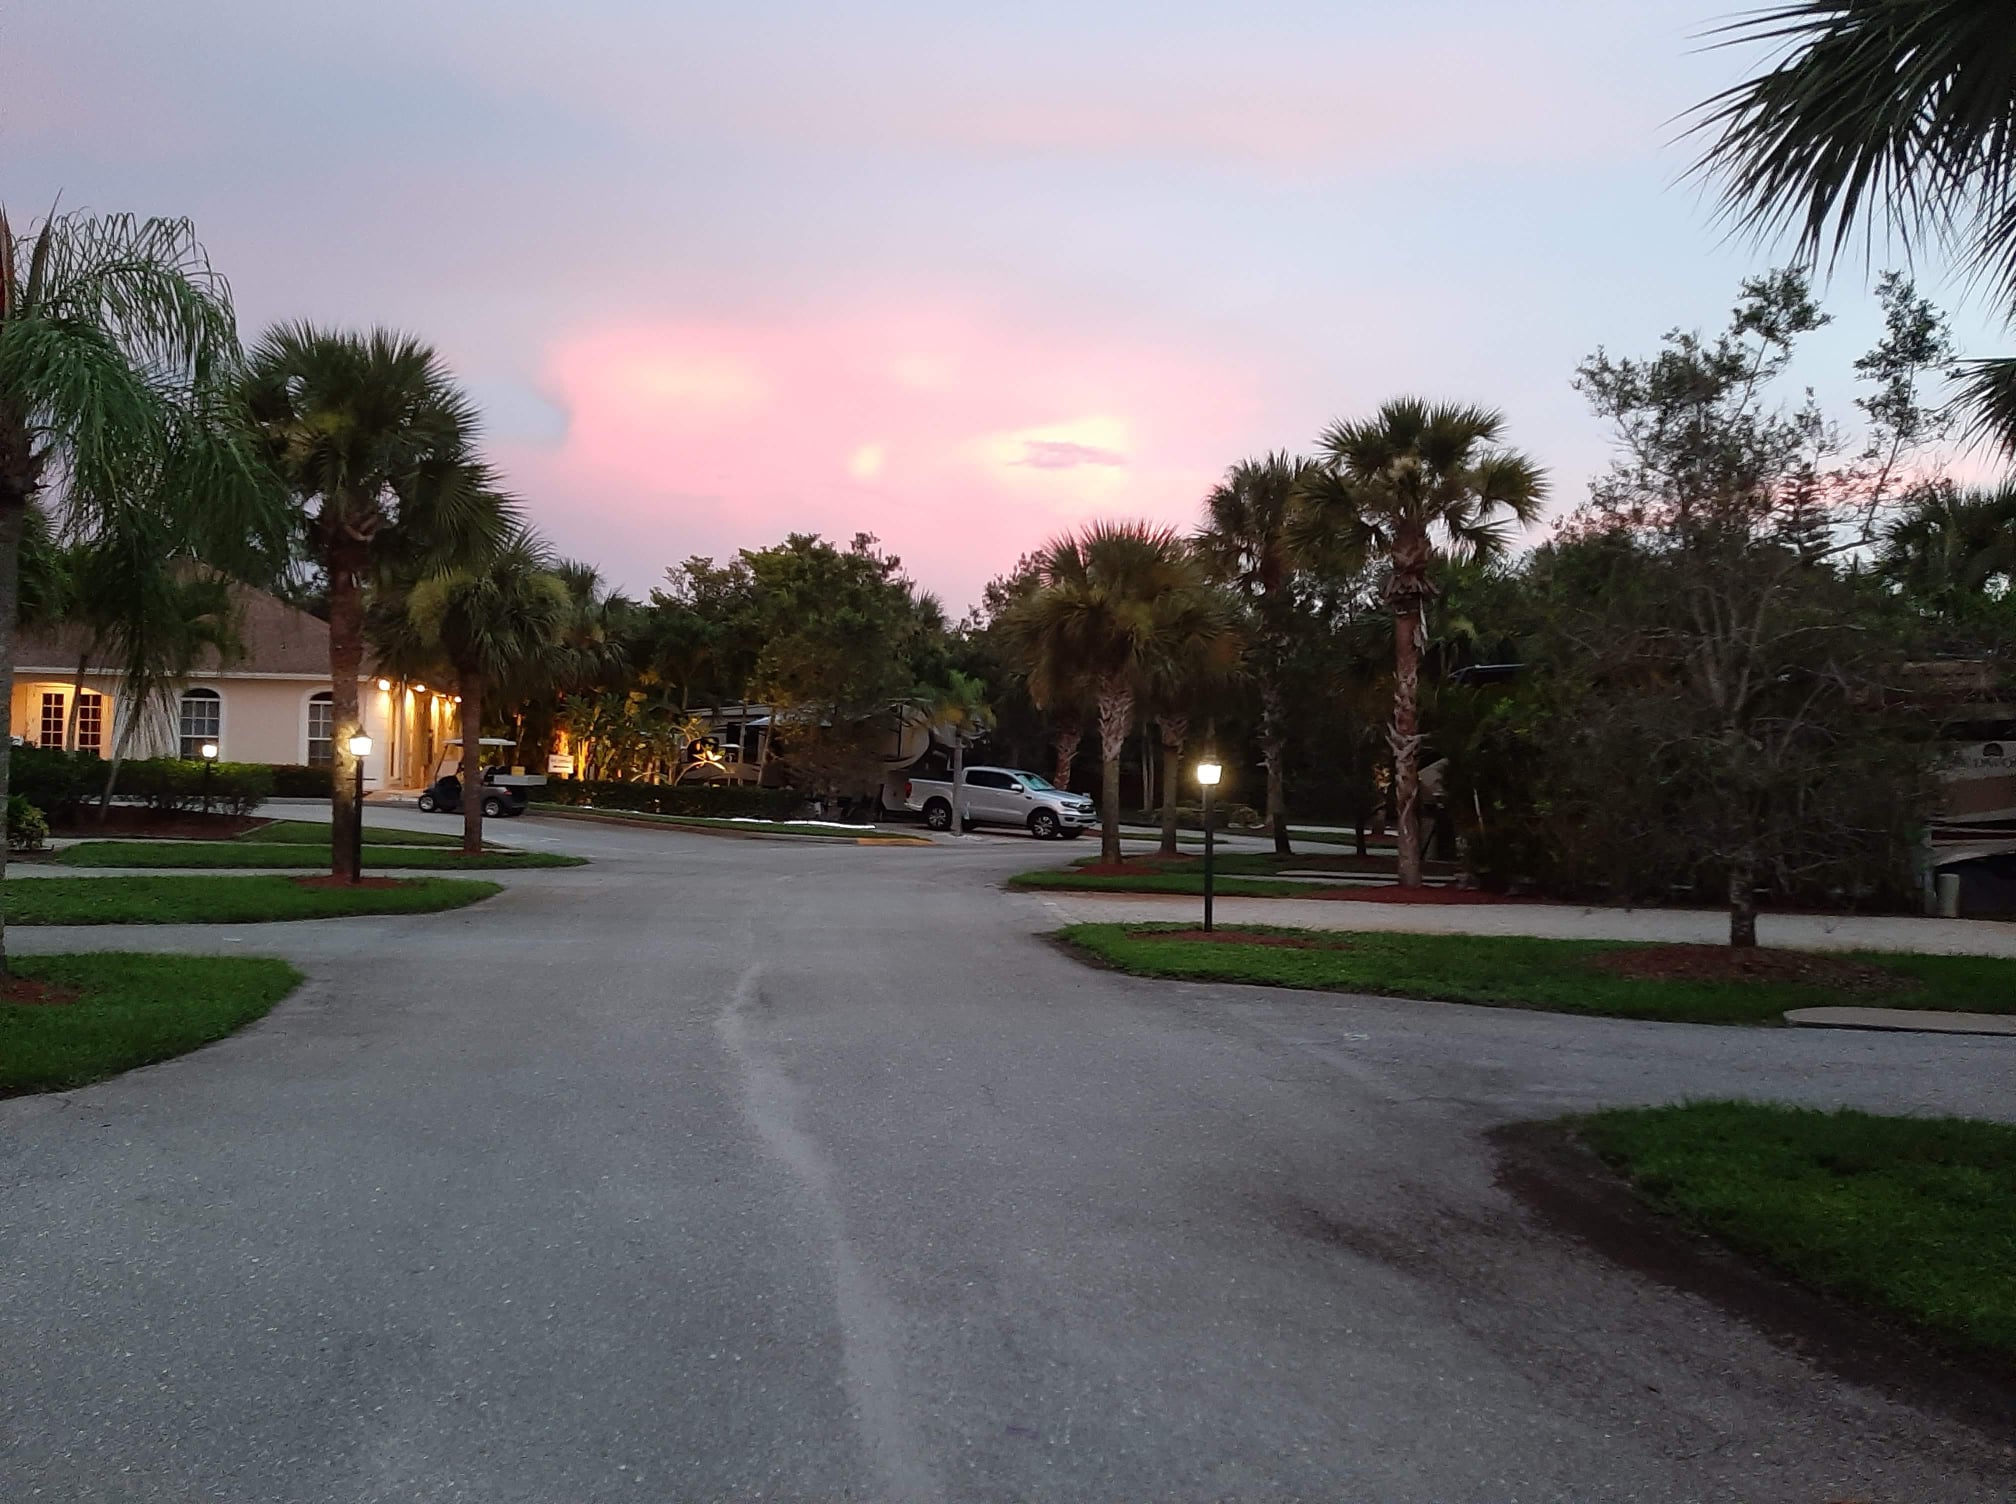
x=184, y=825
x=1430, y=897
x=1244, y=937
x=1722, y=963
x=29, y=993
x=326, y=880
x=1557, y=1177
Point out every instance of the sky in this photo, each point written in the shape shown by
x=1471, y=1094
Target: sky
x=961, y=276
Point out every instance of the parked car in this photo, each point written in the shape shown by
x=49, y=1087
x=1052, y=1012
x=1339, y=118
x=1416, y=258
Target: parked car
x=1004, y=796
x=445, y=795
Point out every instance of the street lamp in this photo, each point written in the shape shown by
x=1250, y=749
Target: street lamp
x=209, y=751
x=360, y=748
x=1208, y=774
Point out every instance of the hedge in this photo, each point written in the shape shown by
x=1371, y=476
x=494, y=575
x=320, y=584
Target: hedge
x=59, y=782
x=291, y=780
x=718, y=800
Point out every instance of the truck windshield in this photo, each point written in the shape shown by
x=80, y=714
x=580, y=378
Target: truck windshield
x=1036, y=781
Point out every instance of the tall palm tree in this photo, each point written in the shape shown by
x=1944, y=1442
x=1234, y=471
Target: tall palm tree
x=1247, y=542
x=1898, y=114
x=960, y=703
x=1415, y=481
x=1115, y=600
x=495, y=622
x=1187, y=678
x=117, y=348
x=376, y=443
x=1956, y=551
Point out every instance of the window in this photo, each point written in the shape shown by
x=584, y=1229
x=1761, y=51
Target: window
x=322, y=731
x=202, y=720
x=51, y=730
x=984, y=778
x=91, y=722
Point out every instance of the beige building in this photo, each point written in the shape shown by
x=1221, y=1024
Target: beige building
x=271, y=704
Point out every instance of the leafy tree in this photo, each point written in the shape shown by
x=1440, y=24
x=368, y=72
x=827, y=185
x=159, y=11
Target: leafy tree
x=1248, y=542
x=1416, y=482
x=117, y=346
x=497, y=622
x=1898, y=114
x=1118, y=601
x=376, y=444
x=1952, y=554
x=1740, y=671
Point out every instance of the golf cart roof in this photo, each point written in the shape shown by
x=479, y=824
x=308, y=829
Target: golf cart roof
x=482, y=741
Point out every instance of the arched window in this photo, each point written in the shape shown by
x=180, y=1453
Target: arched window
x=322, y=730
x=202, y=720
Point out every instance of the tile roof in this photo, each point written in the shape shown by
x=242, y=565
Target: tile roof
x=275, y=638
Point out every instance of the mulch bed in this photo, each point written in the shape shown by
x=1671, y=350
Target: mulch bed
x=1243, y=937
x=126, y=820
x=1722, y=963
x=30, y=993
x=329, y=880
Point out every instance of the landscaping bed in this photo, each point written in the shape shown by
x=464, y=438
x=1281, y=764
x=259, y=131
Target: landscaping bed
x=1913, y=1218
x=86, y=1017
x=211, y=899
x=138, y=820
x=1562, y=976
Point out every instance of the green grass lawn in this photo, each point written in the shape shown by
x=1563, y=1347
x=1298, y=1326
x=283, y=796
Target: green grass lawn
x=242, y=853
x=316, y=833
x=1915, y=1217
x=130, y=1010
x=220, y=900
x=1517, y=971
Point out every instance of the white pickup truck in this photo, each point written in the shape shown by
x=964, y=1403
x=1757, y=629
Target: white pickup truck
x=1004, y=796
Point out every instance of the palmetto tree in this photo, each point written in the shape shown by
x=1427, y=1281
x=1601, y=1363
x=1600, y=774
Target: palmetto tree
x=1898, y=114
x=117, y=347
x=1956, y=552
x=960, y=703
x=1415, y=481
x=376, y=444
x=497, y=623
x=1247, y=543
x=1116, y=600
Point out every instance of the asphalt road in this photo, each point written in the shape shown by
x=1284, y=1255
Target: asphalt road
x=756, y=1170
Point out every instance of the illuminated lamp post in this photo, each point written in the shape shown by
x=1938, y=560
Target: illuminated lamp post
x=1208, y=774
x=360, y=748
x=209, y=751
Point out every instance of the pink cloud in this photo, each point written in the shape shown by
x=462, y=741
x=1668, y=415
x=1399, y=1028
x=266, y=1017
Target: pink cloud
x=959, y=441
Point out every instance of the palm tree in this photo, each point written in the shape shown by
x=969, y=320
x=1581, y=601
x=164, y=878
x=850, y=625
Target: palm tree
x=1188, y=678
x=1247, y=542
x=376, y=444
x=1412, y=482
x=1892, y=113
x=495, y=622
x=1956, y=552
x=1115, y=600
x=117, y=342
x=961, y=704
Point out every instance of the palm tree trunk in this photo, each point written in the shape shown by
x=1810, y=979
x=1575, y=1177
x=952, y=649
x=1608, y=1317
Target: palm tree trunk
x=1175, y=731
x=1743, y=901
x=13, y=516
x=1405, y=734
x=1116, y=719
x=347, y=560
x=1068, y=738
x=471, y=686
x=76, y=703
x=1274, y=753
x=958, y=785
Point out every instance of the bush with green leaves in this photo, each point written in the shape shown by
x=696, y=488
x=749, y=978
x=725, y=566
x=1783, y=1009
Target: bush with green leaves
x=27, y=829
x=718, y=801
x=175, y=785
x=295, y=781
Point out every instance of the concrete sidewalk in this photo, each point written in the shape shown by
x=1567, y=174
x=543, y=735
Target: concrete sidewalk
x=1895, y=932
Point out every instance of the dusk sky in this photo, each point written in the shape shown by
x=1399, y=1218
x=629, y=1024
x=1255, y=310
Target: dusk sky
x=960, y=276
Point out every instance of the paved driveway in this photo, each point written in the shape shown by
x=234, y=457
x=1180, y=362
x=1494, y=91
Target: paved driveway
x=731, y=1170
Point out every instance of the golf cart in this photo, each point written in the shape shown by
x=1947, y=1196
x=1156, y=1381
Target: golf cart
x=503, y=793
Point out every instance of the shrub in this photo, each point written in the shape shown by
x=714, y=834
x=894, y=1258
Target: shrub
x=175, y=784
x=27, y=830
x=54, y=781
x=294, y=781
x=717, y=801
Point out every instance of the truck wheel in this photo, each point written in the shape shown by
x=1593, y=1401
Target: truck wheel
x=493, y=807
x=426, y=804
x=1043, y=825
x=938, y=814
